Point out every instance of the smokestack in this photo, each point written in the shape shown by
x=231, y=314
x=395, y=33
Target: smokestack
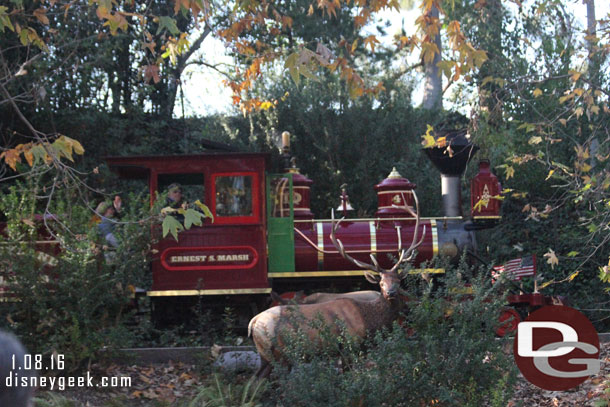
x=451, y=166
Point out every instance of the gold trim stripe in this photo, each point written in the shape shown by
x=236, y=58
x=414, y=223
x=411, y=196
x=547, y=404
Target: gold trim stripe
x=487, y=217
x=320, y=233
x=434, y=237
x=176, y=293
x=427, y=271
x=373, y=230
x=394, y=192
x=343, y=273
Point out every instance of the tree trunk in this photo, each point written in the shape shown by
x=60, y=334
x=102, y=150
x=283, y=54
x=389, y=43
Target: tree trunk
x=490, y=95
x=594, y=64
x=433, y=85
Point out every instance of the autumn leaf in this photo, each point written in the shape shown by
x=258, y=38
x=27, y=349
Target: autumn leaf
x=428, y=139
x=537, y=92
x=11, y=158
x=204, y=209
x=575, y=75
x=151, y=72
x=266, y=105
x=551, y=258
x=41, y=15
x=371, y=40
x=534, y=140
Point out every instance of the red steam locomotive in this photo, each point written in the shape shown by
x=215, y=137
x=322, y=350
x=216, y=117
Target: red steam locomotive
x=264, y=237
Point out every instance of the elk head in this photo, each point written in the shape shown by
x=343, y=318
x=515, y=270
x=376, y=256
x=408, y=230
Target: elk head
x=388, y=280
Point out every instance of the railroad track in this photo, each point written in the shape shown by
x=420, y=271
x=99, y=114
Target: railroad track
x=229, y=356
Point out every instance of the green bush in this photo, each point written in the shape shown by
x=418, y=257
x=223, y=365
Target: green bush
x=220, y=393
x=448, y=355
x=74, y=300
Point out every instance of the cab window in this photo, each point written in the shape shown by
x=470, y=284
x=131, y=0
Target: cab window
x=191, y=184
x=234, y=196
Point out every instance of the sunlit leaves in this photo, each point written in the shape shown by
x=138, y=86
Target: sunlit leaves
x=43, y=153
x=551, y=258
x=371, y=41
x=175, y=47
x=509, y=170
x=204, y=209
x=428, y=139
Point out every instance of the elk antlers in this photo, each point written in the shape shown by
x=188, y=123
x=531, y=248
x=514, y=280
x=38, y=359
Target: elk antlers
x=404, y=256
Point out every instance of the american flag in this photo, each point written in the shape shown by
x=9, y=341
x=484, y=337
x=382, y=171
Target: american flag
x=516, y=269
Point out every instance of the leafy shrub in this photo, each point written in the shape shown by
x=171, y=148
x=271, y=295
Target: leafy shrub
x=74, y=300
x=220, y=393
x=452, y=359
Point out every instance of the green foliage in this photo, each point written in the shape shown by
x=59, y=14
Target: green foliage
x=74, y=295
x=453, y=357
x=219, y=393
x=53, y=400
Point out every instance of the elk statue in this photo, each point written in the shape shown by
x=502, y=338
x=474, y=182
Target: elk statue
x=360, y=312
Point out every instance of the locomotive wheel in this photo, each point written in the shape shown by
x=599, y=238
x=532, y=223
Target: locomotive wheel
x=509, y=319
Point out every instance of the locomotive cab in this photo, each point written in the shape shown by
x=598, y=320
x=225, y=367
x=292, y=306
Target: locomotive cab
x=225, y=256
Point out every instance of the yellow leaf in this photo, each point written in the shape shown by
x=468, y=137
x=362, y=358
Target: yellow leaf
x=551, y=258
x=354, y=45
x=563, y=121
x=546, y=284
x=535, y=140
x=578, y=111
x=487, y=79
x=510, y=172
x=594, y=109
x=266, y=105
x=537, y=92
x=428, y=141
x=551, y=172
x=573, y=275
x=575, y=75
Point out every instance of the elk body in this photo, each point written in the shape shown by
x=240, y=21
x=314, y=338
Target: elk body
x=318, y=298
x=359, y=312
x=358, y=316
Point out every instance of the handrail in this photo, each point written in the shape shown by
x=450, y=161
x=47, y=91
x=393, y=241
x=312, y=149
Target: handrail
x=439, y=218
